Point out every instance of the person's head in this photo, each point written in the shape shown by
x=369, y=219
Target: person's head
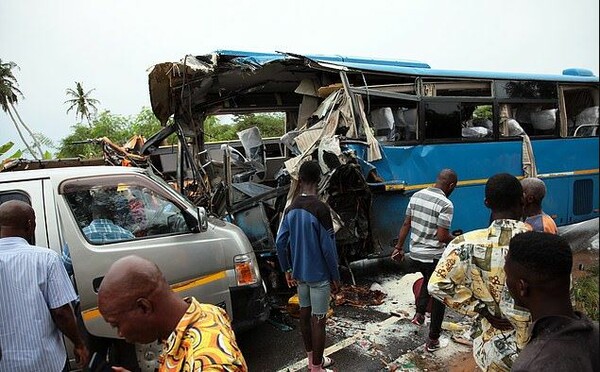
x=504, y=195
x=538, y=267
x=17, y=219
x=103, y=204
x=446, y=181
x=309, y=173
x=534, y=191
x=135, y=298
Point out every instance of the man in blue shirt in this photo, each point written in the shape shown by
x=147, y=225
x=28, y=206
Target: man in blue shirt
x=35, y=296
x=307, y=253
x=102, y=229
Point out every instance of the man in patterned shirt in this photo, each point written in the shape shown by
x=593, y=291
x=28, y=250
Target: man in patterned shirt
x=470, y=278
x=136, y=299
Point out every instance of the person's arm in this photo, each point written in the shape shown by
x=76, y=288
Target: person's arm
x=65, y=321
x=58, y=294
x=327, y=243
x=502, y=324
x=282, y=244
x=448, y=281
x=444, y=221
x=398, y=253
x=444, y=235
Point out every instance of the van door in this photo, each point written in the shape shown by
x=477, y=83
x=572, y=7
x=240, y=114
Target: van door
x=108, y=217
x=31, y=192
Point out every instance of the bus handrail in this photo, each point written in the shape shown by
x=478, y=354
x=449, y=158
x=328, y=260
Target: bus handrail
x=584, y=126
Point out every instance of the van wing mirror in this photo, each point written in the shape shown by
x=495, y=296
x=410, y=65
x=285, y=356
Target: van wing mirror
x=202, y=219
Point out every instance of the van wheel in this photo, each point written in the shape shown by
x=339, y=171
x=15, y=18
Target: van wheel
x=147, y=356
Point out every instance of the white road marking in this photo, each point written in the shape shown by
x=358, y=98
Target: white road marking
x=301, y=364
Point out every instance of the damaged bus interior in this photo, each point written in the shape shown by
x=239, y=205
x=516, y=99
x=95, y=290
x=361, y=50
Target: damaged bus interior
x=381, y=130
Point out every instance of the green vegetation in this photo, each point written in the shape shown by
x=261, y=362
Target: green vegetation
x=9, y=97
x=585, y=291
x=82, y=142
x=270, y=125
x=483, y=112
x=84, y=105
x=118, y=128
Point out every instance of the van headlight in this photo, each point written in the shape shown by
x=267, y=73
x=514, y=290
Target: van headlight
x=245, y=269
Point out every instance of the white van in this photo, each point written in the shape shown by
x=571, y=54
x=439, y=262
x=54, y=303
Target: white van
x=200, y=256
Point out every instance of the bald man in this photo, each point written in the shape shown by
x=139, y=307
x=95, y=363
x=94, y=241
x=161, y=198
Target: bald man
x=428, y=218
x=135, y=298
x=534, y=191
x=35, y=297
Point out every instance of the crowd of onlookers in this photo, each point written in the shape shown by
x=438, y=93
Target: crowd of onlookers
x=512, y=278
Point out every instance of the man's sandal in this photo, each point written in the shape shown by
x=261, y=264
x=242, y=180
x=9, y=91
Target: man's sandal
x=327, y=361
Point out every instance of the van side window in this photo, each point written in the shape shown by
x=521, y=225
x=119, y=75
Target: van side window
x=14, y=195
x=114, y=209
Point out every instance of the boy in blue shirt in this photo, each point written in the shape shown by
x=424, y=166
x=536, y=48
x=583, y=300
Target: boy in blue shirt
x=308, y=255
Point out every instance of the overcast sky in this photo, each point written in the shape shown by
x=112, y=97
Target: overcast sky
x=109, y=44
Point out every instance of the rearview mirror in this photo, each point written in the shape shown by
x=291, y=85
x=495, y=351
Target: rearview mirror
x=202, y=219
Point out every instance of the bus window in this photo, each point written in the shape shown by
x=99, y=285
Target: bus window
x=397, y=121
x=581, y=111
x=526, y=89
x=534, y=119
x=452, y=120
x=476, y=121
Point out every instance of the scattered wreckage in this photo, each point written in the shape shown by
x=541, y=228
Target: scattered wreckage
x=380, y=129
x=252, y=189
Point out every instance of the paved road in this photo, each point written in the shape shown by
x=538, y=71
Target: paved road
x=359, y=339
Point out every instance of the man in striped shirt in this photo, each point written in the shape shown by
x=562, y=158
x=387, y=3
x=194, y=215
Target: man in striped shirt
x=428, y=218
x=35, y=297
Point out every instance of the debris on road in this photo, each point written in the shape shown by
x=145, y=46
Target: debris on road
x=358, y=296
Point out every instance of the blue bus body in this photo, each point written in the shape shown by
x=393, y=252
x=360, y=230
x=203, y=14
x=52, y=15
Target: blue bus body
x=447, y=107
x=569, y=168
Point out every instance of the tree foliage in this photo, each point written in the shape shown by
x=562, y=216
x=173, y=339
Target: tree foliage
x=9, y=96
x=270, y=125
x=82, y=102
x=117, y=128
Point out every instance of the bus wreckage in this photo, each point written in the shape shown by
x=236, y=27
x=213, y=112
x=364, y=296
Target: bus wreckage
x=380, y=130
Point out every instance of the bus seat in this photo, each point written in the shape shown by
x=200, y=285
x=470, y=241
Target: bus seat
x=586, y=122
x=383, y=123
x=406, y=120
x=544, y=119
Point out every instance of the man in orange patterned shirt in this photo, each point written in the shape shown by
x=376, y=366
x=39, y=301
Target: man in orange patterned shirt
x=136, y=299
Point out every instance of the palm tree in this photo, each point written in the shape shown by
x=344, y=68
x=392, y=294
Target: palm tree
x=9, y=96
x=81, y=102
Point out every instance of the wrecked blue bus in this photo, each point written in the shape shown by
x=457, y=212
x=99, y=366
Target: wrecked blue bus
x=381, y=130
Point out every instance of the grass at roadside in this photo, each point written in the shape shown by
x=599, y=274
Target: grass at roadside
x=585, y=291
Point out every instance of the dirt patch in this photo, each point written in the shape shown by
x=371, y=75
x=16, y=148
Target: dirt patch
x=463, y=362
x=584, y=260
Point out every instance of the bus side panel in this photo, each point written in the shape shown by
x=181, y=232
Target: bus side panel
x=569, y=167
x=472, y=161
x=417, y=168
